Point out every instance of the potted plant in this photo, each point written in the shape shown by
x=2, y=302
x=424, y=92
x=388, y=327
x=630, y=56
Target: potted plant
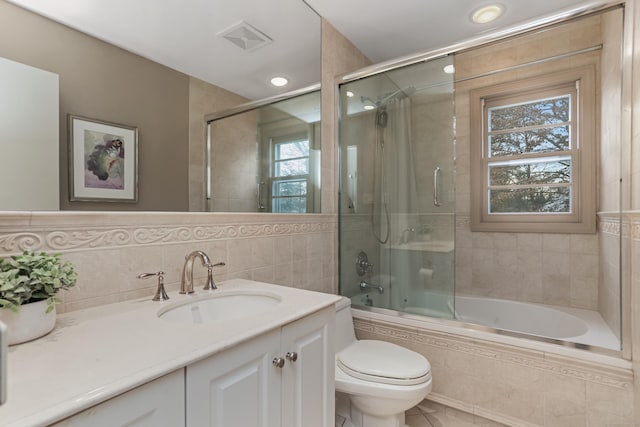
x=28, y=286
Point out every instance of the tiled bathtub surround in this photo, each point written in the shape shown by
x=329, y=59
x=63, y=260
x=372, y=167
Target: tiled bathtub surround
x=560, y=269
x=513, y=384
x=109, y=251
x=491, y=264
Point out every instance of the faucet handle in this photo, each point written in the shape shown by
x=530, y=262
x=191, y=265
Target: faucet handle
x=210, y=285
x=161, y=294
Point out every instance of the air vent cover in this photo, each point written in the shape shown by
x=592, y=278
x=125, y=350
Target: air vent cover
x=245, y=36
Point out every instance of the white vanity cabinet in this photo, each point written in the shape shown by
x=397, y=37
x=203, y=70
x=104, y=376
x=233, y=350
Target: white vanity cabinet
x=159, y=403
x=281, y=379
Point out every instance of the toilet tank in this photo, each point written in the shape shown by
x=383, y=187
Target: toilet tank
x=345, y=334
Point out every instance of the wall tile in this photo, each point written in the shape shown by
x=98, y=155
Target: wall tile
x=565, y=401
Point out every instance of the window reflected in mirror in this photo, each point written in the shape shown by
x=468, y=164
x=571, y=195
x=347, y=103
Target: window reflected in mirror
x=267, y=159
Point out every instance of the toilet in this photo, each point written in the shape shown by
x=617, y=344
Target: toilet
x=376, y=381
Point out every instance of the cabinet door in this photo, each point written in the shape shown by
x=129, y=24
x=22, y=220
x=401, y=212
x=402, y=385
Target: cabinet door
x=238, y=387
x=159, y=403
x=308, y=393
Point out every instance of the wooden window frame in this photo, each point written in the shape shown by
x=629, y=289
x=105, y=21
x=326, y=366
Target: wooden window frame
x=582, y=218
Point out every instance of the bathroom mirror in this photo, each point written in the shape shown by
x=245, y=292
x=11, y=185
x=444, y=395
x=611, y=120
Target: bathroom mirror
x=100, y=81
x=266, y=159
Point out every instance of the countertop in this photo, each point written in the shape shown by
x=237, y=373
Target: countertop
x=98, y=353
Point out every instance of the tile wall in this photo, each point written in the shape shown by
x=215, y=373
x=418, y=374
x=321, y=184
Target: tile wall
x=205, y=98
x=110, y=250
x=511, y=384
x=561, y=269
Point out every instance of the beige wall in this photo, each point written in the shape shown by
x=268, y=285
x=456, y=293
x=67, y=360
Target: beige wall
x=205, y=98
x=339, y=56
x=101, y=81
x=631, y=200
x=560, y=269
x=234, y=163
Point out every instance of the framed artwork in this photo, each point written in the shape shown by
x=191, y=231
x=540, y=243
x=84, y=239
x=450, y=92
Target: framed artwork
x=103, y=161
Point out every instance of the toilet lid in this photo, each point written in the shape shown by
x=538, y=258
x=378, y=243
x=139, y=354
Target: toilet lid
x=384, y=362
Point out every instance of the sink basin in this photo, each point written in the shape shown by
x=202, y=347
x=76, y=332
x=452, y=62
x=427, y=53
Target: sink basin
x=219, y=307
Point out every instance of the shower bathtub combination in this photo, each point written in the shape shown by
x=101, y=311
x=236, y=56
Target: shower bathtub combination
x=554, y=324
x=407, y=247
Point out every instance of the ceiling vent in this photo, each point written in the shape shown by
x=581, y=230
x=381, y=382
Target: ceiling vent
x=245, y=36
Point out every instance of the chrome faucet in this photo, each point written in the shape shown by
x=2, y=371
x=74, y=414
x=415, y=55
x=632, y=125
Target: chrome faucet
x=210, y=283
x=186, y=284
x=407, y=234
x=364, y=286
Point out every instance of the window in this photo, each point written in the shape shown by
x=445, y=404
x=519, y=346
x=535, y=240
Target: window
x=533, y=157
x=290, y=173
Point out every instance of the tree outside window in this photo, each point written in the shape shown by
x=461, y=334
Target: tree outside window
x=534, y=154
x=290, y=173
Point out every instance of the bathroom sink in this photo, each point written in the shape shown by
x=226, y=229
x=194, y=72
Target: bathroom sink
x=219, y=307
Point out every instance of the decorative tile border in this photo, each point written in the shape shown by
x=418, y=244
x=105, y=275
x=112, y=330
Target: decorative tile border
x=627, y=224
x=68, y=238
x=632, y=222
x=605, y=375
x=609, y=223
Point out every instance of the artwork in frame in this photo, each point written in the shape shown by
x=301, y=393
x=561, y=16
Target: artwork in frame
x=103, y=161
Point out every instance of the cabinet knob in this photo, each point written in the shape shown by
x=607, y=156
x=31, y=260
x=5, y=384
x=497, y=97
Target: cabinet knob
x=278, y=362
x=292, y=356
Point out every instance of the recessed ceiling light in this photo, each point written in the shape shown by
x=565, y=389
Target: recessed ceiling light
x=487, y=14
x=449, y=69
x=368, y=107
x=350, y=94
x=279, y=81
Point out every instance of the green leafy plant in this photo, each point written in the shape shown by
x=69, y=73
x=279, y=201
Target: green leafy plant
x=32, y=277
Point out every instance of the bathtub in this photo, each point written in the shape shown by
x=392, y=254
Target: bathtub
x=548, y=322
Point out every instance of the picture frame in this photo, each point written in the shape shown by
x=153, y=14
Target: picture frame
x=103, y=161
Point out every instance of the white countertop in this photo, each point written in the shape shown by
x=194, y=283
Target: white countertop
x=98, y=353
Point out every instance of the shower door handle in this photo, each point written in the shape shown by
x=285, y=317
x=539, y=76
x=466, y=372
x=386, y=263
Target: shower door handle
x=436, y=186
x=260, y=205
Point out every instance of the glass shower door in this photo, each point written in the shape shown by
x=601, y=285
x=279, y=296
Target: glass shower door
x=397, y=194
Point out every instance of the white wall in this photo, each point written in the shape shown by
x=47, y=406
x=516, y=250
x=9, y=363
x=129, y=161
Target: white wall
x=28, y=136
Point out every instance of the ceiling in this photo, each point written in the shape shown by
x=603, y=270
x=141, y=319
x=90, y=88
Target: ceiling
x=385, y=30
x=185, y=36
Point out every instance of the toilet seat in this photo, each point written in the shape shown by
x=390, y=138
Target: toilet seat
x=384, y=362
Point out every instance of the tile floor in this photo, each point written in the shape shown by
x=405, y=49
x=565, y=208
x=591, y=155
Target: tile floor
x=430, y=414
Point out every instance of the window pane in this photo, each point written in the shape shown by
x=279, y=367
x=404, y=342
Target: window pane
x=292, y=167
x=532, y=141
x=537, y=113
x=530, y=200
x=290, y=204
x=293, y=149
x=290, y=188
x=557, y=172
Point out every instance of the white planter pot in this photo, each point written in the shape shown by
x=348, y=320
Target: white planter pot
x=30, y=322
